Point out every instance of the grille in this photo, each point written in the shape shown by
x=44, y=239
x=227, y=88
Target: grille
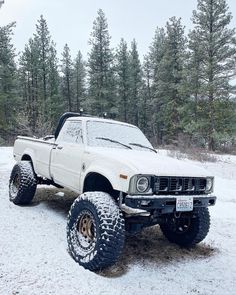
x=175, y=185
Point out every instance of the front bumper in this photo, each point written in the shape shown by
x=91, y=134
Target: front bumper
x=165, y=203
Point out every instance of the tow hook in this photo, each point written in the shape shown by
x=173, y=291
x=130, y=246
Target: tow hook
x=177, y=214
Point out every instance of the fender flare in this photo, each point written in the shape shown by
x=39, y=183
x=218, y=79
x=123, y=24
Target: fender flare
x=112, y=178
x=30, y=153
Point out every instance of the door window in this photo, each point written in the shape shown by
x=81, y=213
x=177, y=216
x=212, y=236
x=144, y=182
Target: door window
x=71, y=132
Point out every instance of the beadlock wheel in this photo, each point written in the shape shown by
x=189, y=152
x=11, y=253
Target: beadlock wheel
x=95, y=230
x=86, y=230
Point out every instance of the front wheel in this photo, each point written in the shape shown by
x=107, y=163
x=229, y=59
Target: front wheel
x=189, y=229
x=95, y=230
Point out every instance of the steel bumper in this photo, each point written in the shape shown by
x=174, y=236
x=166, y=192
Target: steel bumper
x=165, y=203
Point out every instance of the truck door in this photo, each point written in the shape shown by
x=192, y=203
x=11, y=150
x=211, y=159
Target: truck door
x=66, y=159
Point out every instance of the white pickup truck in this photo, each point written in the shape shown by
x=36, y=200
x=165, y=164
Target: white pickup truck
x=123, y=184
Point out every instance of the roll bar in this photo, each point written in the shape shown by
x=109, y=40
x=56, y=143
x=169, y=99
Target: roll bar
x=62, y=120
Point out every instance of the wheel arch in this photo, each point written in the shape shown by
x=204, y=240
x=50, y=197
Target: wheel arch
x=28, y=157
x=95, y=181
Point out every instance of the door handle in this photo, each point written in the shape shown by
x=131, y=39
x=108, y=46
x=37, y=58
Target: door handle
x=59, y=147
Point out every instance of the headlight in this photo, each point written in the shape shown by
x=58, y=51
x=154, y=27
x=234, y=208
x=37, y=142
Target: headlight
x=142, y=184
x=209, y=184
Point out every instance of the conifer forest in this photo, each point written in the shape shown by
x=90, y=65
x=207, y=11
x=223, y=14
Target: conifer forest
x=182, y=92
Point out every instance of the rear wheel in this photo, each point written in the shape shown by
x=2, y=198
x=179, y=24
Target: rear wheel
x=189, y=229
x=95, y=230
x=22, y=184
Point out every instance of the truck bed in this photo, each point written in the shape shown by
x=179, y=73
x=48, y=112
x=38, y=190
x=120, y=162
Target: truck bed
x=39, y=150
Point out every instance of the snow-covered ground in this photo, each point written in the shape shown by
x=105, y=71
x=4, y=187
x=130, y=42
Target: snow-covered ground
x=34, y=258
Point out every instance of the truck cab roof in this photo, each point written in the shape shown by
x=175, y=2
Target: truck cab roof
x=70, y=116
x=85, y=118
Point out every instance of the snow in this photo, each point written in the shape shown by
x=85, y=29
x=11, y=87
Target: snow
x=146, y=162
x=34, y=257
x=99, y=133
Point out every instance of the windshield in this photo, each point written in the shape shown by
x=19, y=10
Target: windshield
x=115, y=135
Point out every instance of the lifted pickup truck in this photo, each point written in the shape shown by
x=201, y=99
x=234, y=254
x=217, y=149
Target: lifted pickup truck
x=123, y=185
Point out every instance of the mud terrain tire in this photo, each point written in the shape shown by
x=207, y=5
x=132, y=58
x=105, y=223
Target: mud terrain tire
x=22, y=184
x=95, y=230
x=188, y=236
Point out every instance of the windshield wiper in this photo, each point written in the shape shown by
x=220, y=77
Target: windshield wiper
x=115, y=141
x=143, y=146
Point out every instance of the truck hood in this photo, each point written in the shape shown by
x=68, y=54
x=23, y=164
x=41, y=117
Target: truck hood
x=147, y=162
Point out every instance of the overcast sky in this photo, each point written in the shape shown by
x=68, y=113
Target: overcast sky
x=71, y=21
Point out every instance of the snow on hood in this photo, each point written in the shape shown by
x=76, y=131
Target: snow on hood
x=146, y=162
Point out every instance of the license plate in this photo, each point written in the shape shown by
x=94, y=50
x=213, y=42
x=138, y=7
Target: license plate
x=184, y=203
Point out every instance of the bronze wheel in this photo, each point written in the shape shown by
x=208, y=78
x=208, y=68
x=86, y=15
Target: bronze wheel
x=95, y=230
x=86, y=230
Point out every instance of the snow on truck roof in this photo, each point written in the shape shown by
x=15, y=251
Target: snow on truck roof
x=97, y=119
x=70, y=116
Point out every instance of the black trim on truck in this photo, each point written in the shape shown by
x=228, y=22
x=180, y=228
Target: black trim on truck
x=166, y=204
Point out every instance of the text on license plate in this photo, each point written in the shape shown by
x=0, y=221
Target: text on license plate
x=184, y=203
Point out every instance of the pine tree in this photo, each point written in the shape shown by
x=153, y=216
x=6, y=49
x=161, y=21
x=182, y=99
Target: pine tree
x=171, y=85
x=29, y=79
x=8, y=97
x=40, y=80
x=194, y=119
x=216, y=42
x=156, y=54
x=123, y=79
x=43, y=39
x=56, y=100
x=135, y=85
x=146, y=99
x=79, y=76
x=157, y=50
x=67, y=77
x=194, y=67
x=100, y=67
